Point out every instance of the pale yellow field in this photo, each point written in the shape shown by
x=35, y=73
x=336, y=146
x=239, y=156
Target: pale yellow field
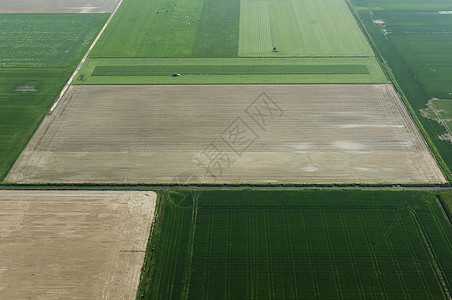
x=73, y=244
x=229, y=134
x=57, y=6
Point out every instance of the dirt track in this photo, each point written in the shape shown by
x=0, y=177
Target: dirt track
x=315, y=134
x=73, y=244
x=57, y=6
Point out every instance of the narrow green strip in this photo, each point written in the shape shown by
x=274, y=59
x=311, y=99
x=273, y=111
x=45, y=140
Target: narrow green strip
x=227, y=70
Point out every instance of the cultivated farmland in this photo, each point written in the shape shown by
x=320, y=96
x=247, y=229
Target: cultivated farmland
x=301, y=245
x=46, y=40
x=58, y=6
x=303, y=134
x=300, y=28
x=38, y=54
x=73, y=244
x=173, y=37
x=25, y=96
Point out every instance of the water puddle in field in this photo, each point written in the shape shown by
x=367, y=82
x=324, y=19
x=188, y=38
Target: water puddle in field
x=26, y=89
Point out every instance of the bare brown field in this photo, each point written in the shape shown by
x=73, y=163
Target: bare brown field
x=228, y=134
x=73, y=244
x=58, y=6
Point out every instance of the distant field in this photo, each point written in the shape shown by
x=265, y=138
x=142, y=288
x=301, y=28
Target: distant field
x=46, y=40
x=58, y=6
x=301, y=244
x=215, y=28
x=300, y=28
x=406, y=5
x=198, y=30
x=424, y=40
x=415, y=40
x=230, y=70
x=178, y=28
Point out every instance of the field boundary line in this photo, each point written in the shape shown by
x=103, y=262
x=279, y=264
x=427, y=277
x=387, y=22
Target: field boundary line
x=435, y=264
x=442, y=205
x=191, y=242
x=77, y=69
x=152, y=234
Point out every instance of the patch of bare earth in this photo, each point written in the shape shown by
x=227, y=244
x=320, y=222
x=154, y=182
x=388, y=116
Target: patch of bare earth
x=433, y=113
x=58, y=6
x=73, y=244
x=229, y=134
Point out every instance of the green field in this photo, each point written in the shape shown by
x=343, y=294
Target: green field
x=446, y=199
x=21, y=112
x=225, y=40
x=229, y=70
x=300, y=28
x=46, y=40
x=409, y=4
x=301, y=244
x=39, y=52
x=416, y=47
x=177, y=28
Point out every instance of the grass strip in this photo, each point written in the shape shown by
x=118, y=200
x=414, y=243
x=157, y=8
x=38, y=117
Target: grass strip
x=227, y=70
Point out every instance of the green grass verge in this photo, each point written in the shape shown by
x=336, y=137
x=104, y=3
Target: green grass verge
x=230, y=71
x=311, y=244
x=21, y=112
x=299, y=28
x=46, y=40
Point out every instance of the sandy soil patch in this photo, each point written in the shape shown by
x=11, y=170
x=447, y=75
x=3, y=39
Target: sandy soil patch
x=73, y=244
x=245, y=133
x=58, y=6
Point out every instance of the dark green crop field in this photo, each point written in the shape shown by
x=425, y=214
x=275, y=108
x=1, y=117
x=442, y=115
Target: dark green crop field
x=301, y=245
x=22, y=111
x=227, y=70
x=415, y=39
x=46, y=40
x=230, y=70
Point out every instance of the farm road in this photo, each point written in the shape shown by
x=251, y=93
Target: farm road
x=229, y=188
